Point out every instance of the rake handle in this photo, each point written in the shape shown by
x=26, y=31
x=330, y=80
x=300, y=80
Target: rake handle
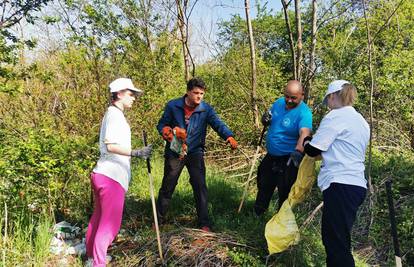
x=144, y=137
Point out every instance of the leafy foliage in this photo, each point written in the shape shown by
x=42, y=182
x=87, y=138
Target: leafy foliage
x=51, y=107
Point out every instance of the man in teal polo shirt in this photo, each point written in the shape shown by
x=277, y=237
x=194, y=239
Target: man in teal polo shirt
x=289, y=121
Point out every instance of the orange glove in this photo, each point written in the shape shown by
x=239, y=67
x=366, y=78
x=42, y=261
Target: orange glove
x=167, y=133
x=183, y=152
x=232, y=141
x=180, y=133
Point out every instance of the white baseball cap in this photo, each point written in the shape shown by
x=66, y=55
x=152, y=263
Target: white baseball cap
x=333, y=87
x=122, y=84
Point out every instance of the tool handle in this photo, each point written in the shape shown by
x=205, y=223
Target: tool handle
x=262, y=135
x=392, y=218
x=144, y=138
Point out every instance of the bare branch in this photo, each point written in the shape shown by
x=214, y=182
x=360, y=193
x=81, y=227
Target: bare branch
x=291, y=42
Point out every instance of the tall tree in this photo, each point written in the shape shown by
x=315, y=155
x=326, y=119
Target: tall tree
x=312, y=65
x=11, y=14
x=253, y=65
x=291, y=40
x=184, y=10
x=299, y=45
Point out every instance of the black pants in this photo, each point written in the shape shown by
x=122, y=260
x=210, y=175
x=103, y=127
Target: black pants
x=172, y=170
x=340, y=205
x=273, y=172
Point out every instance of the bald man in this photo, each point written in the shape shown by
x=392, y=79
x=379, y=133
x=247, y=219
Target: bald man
x=289, y=121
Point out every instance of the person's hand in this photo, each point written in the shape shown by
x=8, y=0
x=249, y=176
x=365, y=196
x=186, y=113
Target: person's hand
x=167, y=133
x=233, y=142
x=180, y=133
x=143, y=153
x=266, y=118
x=307, y=140
x=183, y=153
x=295, y=158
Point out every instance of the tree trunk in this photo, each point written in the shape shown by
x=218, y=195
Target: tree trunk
x=146, y=8
x=291, y=42
x=371, y=116
x=299, y=45
x=183, y=33
x=312, y=65
x=253, y=65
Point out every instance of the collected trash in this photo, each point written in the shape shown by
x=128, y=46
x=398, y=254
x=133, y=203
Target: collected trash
x=281, y=230
x=66, y=240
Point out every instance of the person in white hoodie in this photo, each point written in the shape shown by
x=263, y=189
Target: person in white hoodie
x=112, y=174
x=341, y=140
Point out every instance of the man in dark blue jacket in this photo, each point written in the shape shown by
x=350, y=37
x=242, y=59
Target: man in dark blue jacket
x=188, y=117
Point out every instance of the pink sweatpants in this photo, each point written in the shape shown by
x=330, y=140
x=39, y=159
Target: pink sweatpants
x=106, y=219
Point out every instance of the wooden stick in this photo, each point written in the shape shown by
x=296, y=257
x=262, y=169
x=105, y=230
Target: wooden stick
x=154, y=208
x=312, y=215
x=256, y=155
x=393, y=224
x=5, y=233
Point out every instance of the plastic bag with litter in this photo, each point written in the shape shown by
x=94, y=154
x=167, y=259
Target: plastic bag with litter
x=281, y=230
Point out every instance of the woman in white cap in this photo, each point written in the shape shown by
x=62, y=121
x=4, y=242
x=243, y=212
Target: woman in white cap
x=341, y=139
x=111, y=176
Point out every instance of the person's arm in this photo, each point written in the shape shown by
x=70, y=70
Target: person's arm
x=309, y=149
x=218, y=125
x=326, y=134
x=303, y=132
x=144, y=152
x=117, y=149
x=221, y=128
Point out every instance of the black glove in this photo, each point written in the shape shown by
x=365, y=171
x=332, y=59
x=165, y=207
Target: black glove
x=306, y=140
x=143, y=153
x=295, y=158
x=266, y=118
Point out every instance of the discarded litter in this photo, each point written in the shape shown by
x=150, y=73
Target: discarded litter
x=65, y=240
x=65, y=230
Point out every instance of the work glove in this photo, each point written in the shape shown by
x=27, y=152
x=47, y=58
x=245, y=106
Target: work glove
x=143, y=153
x=295, y=158
x=167, y=133
x=266, y=118
x=183, y=153
x=180, y=133
x=306, y=140
x=233, y=142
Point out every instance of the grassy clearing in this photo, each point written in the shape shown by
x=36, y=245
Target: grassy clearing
x=238, y=239
x=224, y=198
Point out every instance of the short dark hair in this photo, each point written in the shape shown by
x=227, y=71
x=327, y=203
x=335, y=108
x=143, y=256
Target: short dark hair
x=195, y=82
x=114, y=95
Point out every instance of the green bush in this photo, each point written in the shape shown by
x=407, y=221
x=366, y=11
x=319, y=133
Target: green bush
x=45, y=171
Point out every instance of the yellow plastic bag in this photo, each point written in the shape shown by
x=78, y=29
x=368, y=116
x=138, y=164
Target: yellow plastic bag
x=281, y=230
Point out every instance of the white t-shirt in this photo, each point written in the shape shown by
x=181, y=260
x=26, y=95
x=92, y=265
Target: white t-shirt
x=342, y=136
x=114, y=130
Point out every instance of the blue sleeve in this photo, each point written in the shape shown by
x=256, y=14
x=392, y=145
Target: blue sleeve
x=306, y=119
x=166, y=118
x=218, y=125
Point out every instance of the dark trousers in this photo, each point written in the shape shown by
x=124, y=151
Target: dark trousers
x=172, y=170
x=340, y=205
x=273, y=172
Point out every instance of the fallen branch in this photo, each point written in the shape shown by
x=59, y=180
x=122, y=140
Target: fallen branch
x=312, y=215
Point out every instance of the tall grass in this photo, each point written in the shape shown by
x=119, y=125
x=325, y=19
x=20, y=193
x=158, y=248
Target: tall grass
x=25, y=241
